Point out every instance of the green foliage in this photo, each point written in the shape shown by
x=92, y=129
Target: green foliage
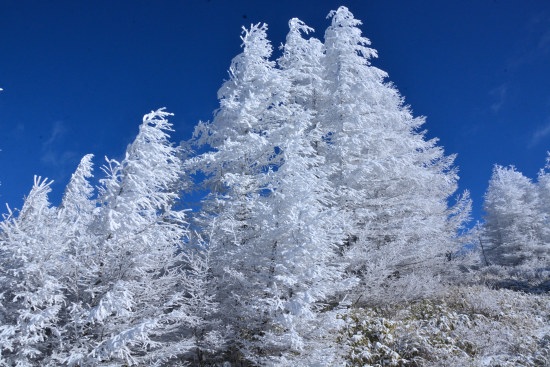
x=371, y=340
x=469, y=326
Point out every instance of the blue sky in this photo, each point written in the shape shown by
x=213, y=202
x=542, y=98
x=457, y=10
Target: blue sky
x=78, y=75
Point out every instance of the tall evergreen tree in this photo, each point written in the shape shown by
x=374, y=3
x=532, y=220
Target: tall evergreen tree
x=272, y=227
x=543, y=184
x=106, y=282
x=393, y=183
x=236, y=170
x=140, y=300
x=32, y=295
x=514, y=222
x=306, y=272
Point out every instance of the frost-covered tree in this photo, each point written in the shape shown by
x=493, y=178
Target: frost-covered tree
x=306, y=273
x=393, y=182
x=32, y=295
x=236, y=170
x=370, y=191
x=543, y=185
x=139, y=308
x=516, y=220
x=106, y=281
x=239, y=137
x=301, y=63
x=513, y=223
x=271, y=226
x=75, y=217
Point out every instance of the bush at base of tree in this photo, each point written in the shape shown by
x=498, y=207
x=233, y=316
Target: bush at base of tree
x=467, y=326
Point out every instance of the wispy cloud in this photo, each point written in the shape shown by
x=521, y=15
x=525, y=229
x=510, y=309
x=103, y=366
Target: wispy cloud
x=57, y=132
x=54, y=152
x=498, y=95
x=539, y=26
x=541, y=133
x=536, y=42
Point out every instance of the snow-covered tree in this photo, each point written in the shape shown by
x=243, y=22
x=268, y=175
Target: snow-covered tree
x=271, y=226
x=393, y=182
x=321, y=125
x=303, y=228
x=237, y=170
x=239, y=136
x=543, y=185
x=138, y=305
x=513, y=223
x=32, y=294
x=107, y=281
x=301, y=63
x=516, y=219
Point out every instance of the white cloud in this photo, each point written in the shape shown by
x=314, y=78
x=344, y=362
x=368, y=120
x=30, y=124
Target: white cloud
x=535, y=44
x=499, y=95
x=54, y=153
x=58, y=130
x=539, y=134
